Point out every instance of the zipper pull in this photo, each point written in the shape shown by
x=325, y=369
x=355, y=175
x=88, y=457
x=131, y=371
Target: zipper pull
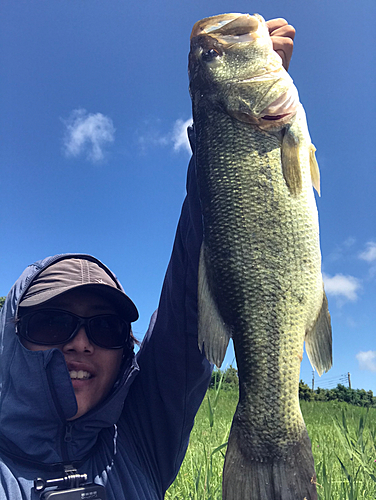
x=68, y=433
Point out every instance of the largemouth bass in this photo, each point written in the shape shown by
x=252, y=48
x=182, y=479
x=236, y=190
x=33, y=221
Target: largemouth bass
x=260, y=276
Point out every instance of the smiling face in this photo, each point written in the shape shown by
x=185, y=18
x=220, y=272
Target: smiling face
x=93, y=369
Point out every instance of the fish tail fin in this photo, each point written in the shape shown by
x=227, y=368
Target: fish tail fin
x=290, y=478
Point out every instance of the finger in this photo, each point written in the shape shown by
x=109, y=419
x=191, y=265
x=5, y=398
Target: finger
x=286, y=31
x=274, y=24
x=284, y=47
x=282, y=35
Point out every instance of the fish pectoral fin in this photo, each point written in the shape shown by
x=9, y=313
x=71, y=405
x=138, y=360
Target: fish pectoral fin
x=318, y=340
x=314, y=168
x=291, y=162
x=213, y=333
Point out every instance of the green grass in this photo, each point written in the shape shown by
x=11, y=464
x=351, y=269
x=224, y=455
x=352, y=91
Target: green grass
x=343, y=443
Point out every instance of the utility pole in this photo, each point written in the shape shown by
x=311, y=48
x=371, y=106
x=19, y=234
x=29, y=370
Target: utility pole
x=348, y=376
x=313, y=380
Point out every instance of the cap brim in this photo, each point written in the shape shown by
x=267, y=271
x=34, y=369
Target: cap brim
x=121, y=301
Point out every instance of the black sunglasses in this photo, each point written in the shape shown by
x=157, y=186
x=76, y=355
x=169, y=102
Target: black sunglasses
x=54, y=327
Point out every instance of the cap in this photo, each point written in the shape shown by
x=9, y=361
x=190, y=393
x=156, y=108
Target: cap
x=74, y=272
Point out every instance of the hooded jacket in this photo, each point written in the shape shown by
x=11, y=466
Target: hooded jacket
x=134, y=441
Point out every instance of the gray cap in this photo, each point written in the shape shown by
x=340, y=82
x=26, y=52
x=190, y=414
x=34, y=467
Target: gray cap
x=70, y=273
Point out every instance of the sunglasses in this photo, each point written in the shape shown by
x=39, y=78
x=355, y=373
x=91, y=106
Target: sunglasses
x=54, y=327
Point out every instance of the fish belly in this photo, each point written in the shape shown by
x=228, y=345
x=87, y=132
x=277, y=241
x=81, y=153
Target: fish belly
x=260, y=263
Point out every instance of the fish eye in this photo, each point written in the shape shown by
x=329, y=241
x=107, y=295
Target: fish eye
x=210, y=55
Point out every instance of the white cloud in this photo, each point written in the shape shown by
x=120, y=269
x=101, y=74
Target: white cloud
x=180, y=136
x=177, y=138
x=152, y=137
x=370, y=253
x=367, y=360
x=342, y=286
x=87, y=134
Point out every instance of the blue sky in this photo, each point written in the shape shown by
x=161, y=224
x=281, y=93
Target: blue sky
x=94, y=102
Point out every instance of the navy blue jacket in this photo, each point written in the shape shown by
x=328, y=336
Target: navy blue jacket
x=134, y=442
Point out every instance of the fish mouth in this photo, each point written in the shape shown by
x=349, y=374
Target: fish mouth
x=283, y=108
x=234, y=26
x=276, y=117
x=276, y=114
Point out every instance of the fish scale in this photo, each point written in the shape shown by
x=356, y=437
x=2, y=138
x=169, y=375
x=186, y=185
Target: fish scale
x=260, y=266
x=256, y=283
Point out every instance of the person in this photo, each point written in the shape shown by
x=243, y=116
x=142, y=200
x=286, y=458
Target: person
x=74, y=395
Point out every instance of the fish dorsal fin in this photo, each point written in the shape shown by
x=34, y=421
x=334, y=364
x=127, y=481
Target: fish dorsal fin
x=213, y=333
x=315, y=171
x=318, y=340
x=291, y=162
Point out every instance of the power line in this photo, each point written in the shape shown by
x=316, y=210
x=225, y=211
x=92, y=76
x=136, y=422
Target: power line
x=332, y=382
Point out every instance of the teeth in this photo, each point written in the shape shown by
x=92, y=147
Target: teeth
x=81, y=374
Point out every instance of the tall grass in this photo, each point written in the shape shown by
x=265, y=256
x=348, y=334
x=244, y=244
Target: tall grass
x=343, y=443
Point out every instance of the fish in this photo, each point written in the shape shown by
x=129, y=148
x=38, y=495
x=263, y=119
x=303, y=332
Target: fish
x=259, y=276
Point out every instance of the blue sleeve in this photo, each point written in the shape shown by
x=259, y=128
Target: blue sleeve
x=174, y=375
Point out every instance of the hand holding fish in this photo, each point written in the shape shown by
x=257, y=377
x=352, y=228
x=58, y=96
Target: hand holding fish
x=282, y=35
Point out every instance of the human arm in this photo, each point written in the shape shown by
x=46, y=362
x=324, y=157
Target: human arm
x=164, y=398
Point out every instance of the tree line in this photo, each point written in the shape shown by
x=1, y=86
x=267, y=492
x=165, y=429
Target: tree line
x=357, y=397
x=228, y=380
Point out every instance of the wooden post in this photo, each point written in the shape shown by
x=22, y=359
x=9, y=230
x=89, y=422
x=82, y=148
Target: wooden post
x=348, y=376
x=313, y=380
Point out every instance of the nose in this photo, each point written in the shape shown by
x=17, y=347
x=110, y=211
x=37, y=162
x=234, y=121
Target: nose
x=79, y=343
